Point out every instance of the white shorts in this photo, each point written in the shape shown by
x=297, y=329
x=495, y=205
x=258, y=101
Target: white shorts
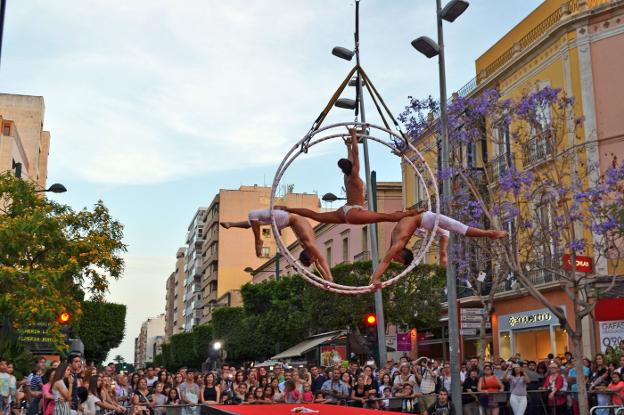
x=445, y=224
x=347, y=208
x=264, y=217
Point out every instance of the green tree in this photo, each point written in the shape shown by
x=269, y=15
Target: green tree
x=51, y=255
x=119, y=359
x=101, y=328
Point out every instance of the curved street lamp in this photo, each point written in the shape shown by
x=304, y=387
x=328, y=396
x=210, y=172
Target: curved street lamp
x=55, y=188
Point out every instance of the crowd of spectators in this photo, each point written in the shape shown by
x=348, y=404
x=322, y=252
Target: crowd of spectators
x=502, y=387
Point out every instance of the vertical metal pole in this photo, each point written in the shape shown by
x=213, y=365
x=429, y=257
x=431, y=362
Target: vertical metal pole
x=381, y=326
x=451, y=285
x=2, y=11
x=277, y=266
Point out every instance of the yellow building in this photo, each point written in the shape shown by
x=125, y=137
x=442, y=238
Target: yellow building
x=24, y=145
x=574, y=45
x=227, y=253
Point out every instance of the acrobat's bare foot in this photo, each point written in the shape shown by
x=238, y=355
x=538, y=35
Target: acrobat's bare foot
x=259, y=248
x=226, y=225
x=496, y=234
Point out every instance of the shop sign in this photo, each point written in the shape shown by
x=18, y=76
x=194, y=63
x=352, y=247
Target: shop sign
x=468, y=332
x=475, y=325
x=404, y=342
x=37, y=339
x=333, y=355
x=583, y=263
x=531, y=318
x=527, y=319
x=391, y=343
x=611, y=333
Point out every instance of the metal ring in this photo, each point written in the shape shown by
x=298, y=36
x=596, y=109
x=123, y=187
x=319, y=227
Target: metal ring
x=293, y=154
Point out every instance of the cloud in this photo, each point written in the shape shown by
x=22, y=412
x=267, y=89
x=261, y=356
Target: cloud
x=147, y=92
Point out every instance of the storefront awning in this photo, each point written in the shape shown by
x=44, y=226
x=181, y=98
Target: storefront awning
x=610, y=309
x=309, y=344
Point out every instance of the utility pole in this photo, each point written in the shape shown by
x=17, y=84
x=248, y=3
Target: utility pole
x=370, y=194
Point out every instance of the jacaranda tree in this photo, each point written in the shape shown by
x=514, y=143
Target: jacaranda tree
x=544, y=185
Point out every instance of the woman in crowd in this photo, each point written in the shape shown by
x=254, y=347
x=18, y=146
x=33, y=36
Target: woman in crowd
x=346, y=378
x=489, y=384
x=598, y=381
x=258, y=395
x=369, y=380
x=291, y=394
x=47, y=399
x=134, y=381
x=141, y=398
x=162, y=377
x=240, y=378
x=554, y=383
x=263, y=382
x=518, y=382
x=94, y=400
x=169, y=382
x=252, y=380
x=268, y=395
x=178, y=380
x=173, y=398
x=62, y=386
x=299, y=382
x=277, y=395
x=158, y=398
x=617, y=387
x=211, y=391
x=542, y=371
x=386, y=382
x=358, y=393
x=107, y=395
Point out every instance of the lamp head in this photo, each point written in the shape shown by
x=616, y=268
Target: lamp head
x=57, y=188
x=426, y=46
x=249, y=269
x=343, y=53
x=346, y=103
x=453, y=10
x=329, y=197
x=217, y=345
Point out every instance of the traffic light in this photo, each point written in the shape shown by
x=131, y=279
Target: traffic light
x=64, y=318
x=370, y=319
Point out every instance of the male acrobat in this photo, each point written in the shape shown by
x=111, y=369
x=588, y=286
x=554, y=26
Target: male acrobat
x=300, y=226
x=353, y=212
x=405, y=228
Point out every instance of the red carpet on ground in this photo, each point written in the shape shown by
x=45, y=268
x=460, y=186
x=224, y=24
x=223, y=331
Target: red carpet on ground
x=285, y=409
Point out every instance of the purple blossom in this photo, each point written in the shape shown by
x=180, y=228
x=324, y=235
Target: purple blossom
x=576, y=245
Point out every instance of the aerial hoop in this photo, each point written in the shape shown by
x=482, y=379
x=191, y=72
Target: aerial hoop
x=338, y=131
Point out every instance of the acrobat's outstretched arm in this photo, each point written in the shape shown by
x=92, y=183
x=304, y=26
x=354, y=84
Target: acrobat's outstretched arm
x=354, y=153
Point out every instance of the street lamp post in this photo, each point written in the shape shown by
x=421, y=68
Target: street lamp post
x=359, y=104
x=430, y=49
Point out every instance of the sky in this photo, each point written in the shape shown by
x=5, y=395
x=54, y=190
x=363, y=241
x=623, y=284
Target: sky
x=154, y=105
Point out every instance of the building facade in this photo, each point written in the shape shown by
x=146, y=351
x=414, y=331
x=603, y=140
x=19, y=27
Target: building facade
x=193, y=271
x=342, y=243
x=24, y=144
x=227, y=253
x=566, y=44
x=151, y=336
x=174, y=311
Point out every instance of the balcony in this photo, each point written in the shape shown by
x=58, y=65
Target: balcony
x=362, y=256
x=537, y=150
x=499, y=165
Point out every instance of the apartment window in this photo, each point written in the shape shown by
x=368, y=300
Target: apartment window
x=345, y=250
x=365, y=238
x=328, y=255
x=7, y=130
x=266, y=232
x=266, y=252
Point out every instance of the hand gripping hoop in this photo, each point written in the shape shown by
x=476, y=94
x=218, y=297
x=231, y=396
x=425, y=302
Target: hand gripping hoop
x=338, y=131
